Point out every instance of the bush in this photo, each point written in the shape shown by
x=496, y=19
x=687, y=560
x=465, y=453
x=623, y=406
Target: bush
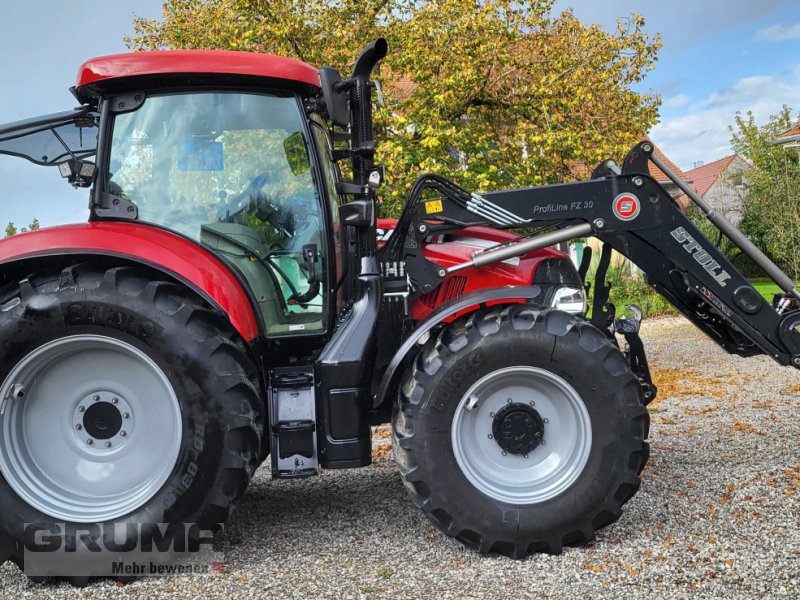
x=772, y=207
x=634, y=290
x=630, y=288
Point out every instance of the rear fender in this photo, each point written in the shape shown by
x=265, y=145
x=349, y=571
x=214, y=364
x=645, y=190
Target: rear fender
x=175, y=256
x=444, y=314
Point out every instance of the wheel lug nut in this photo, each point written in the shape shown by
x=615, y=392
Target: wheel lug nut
x=123, y=433
x=108, y=444
x=544, y=443
x=96, y=398
x=78, y=426
x=125, y=415
x=114, y=400
x=510, y=400
x=491, y=436
x=81, y=409
x=546, y=420
x=505, y=453
x=525, y=456
x=491, y=414
x=90, y=441
x=532, y=403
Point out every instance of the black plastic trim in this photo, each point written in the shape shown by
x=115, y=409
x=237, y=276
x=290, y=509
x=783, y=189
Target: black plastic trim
x=438, y=316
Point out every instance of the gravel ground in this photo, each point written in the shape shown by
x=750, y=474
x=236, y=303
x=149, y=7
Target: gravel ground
x=717, y=516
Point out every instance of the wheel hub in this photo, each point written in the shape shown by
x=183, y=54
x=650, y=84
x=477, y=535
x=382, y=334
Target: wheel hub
x=103, y=421
x=518, y=428
x=501, y=446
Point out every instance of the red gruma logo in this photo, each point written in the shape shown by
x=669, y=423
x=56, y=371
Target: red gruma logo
x=626, y=207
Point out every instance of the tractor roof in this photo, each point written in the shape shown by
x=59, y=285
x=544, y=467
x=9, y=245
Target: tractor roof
x=190, y=62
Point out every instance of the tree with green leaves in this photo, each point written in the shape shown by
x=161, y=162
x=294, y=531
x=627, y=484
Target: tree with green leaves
x=772, y=206
x=11, y=229
x=492, y=93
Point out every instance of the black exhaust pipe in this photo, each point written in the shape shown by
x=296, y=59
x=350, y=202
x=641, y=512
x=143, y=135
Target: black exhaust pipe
x=370, y=57
x=361, y=134
x=361, y=110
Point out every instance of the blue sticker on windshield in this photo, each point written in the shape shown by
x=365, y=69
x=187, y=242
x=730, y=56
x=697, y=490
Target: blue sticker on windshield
x=195, y=155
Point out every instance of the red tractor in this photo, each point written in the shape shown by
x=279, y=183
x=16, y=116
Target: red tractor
x=233, y=299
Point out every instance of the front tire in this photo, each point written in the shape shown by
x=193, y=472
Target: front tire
x=127, y=401
x=520, y=430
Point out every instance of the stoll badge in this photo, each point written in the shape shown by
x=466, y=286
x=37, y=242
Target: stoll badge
x=626, y=207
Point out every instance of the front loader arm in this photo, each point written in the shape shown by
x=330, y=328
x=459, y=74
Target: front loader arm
x=633, y=214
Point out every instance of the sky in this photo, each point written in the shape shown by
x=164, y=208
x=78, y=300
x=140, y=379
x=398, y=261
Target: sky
x=43, y=42
x=719, y=57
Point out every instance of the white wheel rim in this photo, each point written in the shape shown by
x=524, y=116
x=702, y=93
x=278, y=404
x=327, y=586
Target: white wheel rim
x=57, y=451
x=546, y=471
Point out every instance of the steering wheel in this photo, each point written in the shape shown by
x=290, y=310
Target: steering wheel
x=249, y=198
x=253, y=189
x=253, y=199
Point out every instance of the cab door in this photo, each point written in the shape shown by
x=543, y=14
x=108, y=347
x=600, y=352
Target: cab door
x=233, y=170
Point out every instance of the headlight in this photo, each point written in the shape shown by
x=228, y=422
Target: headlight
x=570, y=299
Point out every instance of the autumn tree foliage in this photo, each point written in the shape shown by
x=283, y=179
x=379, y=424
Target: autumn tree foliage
x=772, y=206
x=492, y=93
x=11, y=229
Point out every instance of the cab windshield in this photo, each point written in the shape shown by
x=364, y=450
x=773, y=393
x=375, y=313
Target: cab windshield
x=232, y=171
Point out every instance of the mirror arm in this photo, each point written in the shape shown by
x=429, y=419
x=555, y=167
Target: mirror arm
x=112, y=206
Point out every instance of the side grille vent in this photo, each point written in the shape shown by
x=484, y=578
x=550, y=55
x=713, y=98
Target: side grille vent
x=452, y=288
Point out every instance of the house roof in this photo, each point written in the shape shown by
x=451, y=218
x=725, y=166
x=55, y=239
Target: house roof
x=791, y=132
x=704, y=177
x=401, y=88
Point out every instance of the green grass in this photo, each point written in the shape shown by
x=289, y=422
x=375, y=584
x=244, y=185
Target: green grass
x=765, y=287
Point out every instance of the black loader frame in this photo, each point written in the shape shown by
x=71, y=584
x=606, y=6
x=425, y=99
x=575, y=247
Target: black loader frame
x=625, y=208
x=631, y=213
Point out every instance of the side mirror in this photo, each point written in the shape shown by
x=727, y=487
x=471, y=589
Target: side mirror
x=335, y=96
x=358, y=213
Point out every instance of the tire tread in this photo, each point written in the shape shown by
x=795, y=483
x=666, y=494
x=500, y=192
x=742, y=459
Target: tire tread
x=468, y=331
x=241, y=407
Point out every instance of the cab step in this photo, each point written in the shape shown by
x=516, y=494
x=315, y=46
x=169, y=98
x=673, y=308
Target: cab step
x=293, y=423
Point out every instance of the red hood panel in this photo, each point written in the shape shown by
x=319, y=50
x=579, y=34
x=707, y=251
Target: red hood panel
x=458, y=247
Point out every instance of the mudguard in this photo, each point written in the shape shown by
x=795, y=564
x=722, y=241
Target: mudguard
x=175, y=256
x=445, y=313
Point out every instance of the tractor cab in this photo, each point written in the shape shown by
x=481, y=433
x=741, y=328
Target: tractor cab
x=232, y=170
x=221, y=148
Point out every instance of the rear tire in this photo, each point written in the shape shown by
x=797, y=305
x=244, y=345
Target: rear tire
x=139, y=404
x=520, y=430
